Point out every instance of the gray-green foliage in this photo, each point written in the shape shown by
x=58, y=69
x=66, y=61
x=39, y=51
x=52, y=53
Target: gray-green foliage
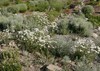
x=84, y=66
x=62, y=27
x=12, y=22
x=62, y=46
x=80, y=26
x=16, y=22
x=74, y=24
x=4, y=23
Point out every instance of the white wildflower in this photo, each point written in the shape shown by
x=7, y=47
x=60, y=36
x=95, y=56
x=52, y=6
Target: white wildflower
x=36, y=29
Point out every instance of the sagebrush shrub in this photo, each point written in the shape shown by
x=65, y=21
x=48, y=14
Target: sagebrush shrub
x=16, y=22
x=62, y=46
x=85, y=66
x=80, y=26
x=4, y=23
x=62, y=27
x=74, y=24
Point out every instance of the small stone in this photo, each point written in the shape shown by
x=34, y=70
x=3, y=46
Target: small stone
x=25, y=53
x=52, y=67
x=94, y=35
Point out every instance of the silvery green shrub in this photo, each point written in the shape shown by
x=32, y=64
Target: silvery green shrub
x=74, y=24
x=16, y=22
x=61, y=27
x=84, y=66
x=80, y=26
x=4, y=23
x=62, y=46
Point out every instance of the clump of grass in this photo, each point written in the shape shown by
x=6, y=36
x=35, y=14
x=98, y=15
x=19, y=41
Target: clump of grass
x=9, y=60
x=88, y=9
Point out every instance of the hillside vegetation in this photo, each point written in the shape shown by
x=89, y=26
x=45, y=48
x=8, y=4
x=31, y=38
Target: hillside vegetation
x=49, y=35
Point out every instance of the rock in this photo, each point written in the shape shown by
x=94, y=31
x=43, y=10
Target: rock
x=95, y=30
x=50, y=67
x=25, y=53
x=94, y=35
x=28, y=69
x=98, y=28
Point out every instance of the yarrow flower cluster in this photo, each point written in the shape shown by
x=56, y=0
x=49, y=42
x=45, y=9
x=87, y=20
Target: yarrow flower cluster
x=39, y=38
x=87, y=44
x=41, y=18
